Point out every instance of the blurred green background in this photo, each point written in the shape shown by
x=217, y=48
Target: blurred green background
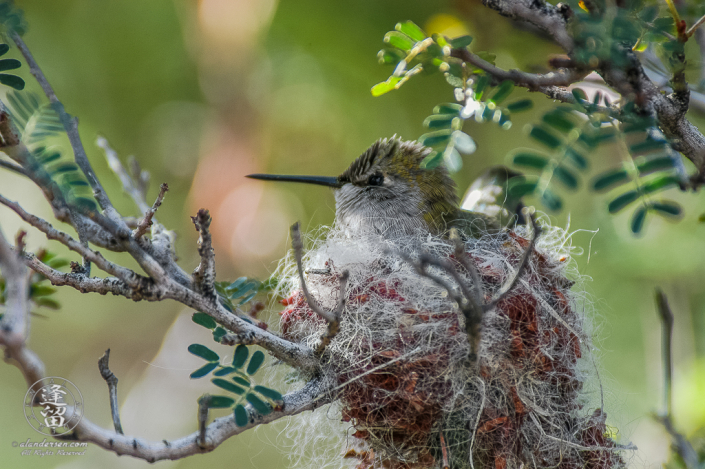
x=204, y=92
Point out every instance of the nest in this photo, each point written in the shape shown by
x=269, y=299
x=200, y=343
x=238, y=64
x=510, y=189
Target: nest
x=407, y=392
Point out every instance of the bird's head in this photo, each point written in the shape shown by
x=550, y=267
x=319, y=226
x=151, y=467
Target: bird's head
x=385, y=190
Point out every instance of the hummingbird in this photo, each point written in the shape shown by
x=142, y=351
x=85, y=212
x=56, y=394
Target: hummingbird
x=387, y=191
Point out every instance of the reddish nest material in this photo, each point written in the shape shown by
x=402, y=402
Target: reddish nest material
x=397, y=402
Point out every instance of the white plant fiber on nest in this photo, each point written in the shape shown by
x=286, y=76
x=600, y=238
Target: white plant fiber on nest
x=402, y=346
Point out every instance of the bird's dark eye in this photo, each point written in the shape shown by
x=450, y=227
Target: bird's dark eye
x=375, y=180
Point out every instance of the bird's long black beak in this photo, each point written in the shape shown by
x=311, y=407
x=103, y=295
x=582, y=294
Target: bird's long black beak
x=319, y=180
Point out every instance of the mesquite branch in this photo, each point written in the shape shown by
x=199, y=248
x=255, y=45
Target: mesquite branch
x=630, y=81
x=112, y=382
x=145, y=223
x=161, y=279
x=331, y=317
x=680, y=444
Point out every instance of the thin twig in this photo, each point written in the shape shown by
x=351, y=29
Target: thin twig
x=128, y=276
x=313, y=395
x=532, y=81
x=680, y=444
x=628, y=80
x=536, y=231
x=204, y=274
x=146, y=222
x=695, y=26
x=14, y=324
x=139, y=176
x=112, y=382
x=203, y=405
x=332, y=318
x=462, y=256
x=13, y=167
x=469, y=302
x=666, y=317
x=128, y=183
x=334, y=326
x=298, y=247
x=71, y=126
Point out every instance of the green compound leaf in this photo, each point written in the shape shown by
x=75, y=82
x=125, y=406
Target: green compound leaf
x=63, y=168
x=559, y=120
x=448, y=108
x=652, y=165
x=435, y=138
x=544, y=136
x=622, y=201
x=610, y=179
x=255, y=362
x=647, y=145
x=667, y=208
x=240, y=356
x=530, y=160
x=566, y=177
x=638, y=219
x=399, y=40
x=461, y=42
x=385, y=87
x=226, y=370
x=464, y=143
x=247, y=298
x=85, y=204
x=49, y=157
x=432, y=160
x=439, y=120
x=228, y=386
x=204, y=352
x=503, y=91
x=41, y=290
x=411, y=29
x=648, y=14
x=9, y=64
x=57, y=262
x=480, y=86
x=576, y=157
x=12, y=81
x=521, y=105
x=220, y=402
x=390, y=56
x=236, y=285
x=202, y=319
x=551, y=201
x=242, y=418
x=579, y=94
x=520, y=187
x=204, y=370
x=218, y=333
x=259, y=405
x=268, y=393
x=242, y=381
x=659, y=183
x=47, y=303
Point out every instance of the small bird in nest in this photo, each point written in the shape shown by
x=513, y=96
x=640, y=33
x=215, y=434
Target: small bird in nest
x=386, y=190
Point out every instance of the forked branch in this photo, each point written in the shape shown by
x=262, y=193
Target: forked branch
x=112, y=382
x=470, y=298
x=331, y=317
